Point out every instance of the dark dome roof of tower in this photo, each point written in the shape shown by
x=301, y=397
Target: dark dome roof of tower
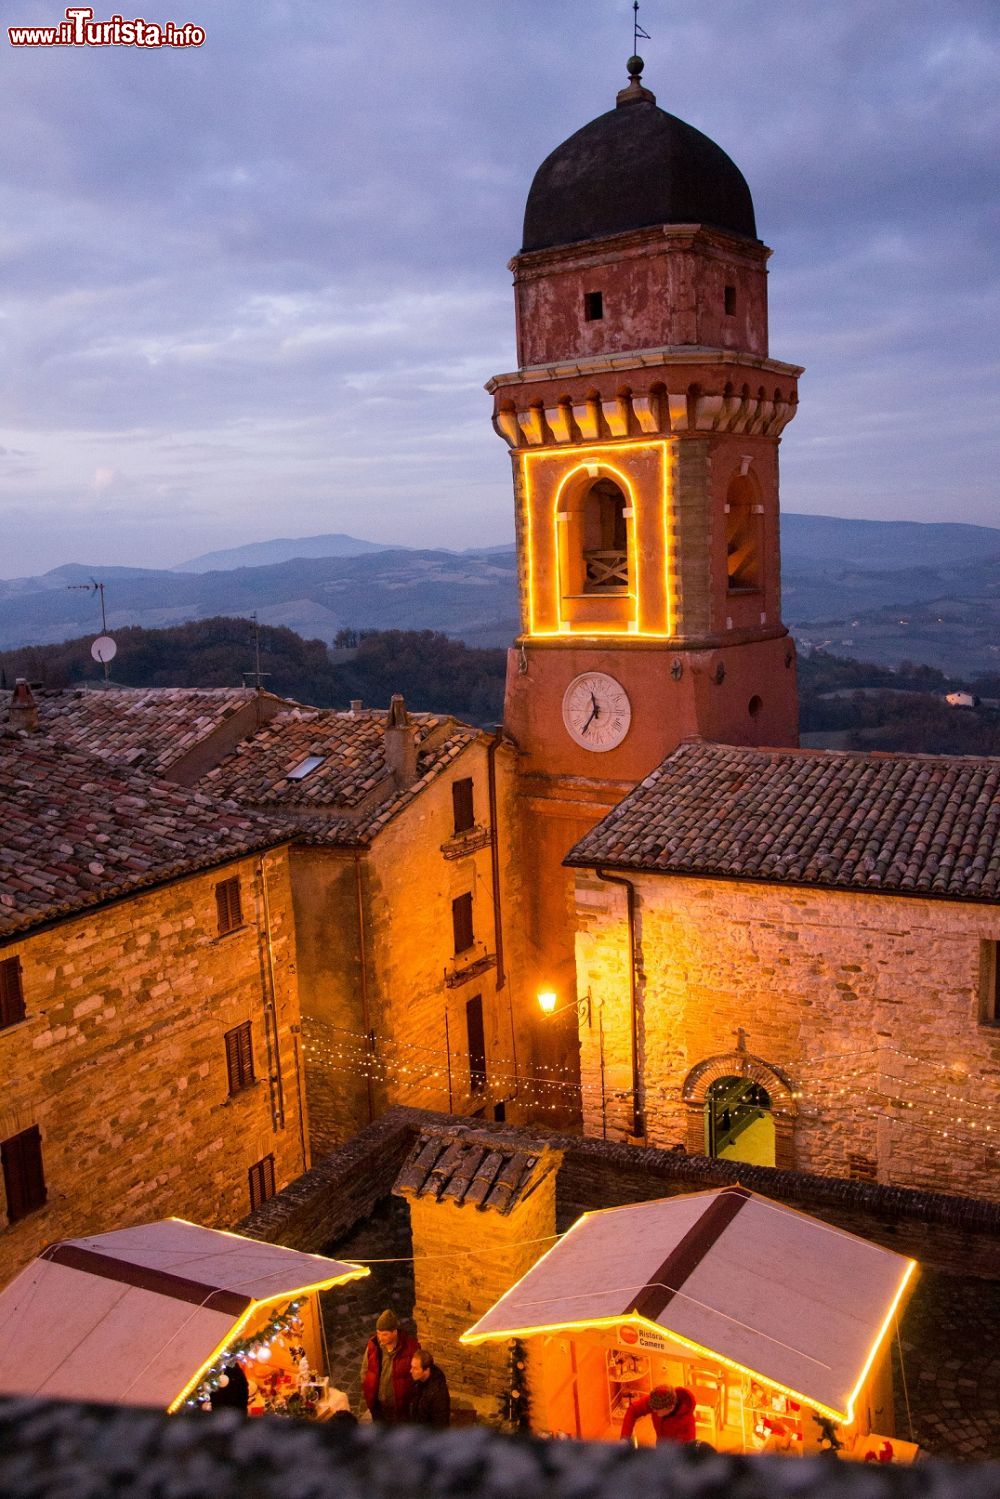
x=631, y=168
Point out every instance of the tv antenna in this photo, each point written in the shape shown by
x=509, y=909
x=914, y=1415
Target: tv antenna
x=257, y=675
x=637, y=31
x=104, y=648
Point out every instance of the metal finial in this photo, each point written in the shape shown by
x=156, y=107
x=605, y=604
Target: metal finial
x=637, y=32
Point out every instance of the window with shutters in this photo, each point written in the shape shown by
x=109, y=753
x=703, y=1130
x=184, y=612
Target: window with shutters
x=477, y=1044
x=11, y=992
x=261, y=1182
x=227, y=900
x=461, y=921
x=239, y=1057
x=23, y=1176
x=461, y=801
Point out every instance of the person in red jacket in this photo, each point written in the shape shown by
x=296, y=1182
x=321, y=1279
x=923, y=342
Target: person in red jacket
x=386, y=1381
x=672, y=1411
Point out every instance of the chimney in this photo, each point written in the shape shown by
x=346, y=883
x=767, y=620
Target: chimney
x=23, y=708
x=356, y=705
x=400, y=743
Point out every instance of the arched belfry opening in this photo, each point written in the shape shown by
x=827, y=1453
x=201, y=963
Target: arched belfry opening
x=596, y=561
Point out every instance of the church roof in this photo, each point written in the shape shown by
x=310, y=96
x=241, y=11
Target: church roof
x=892, y=824
x=633, y=168
x=78, y=832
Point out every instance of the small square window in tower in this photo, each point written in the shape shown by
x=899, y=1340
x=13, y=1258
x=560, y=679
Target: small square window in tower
x=239, y=1057
x=461, y=801
x=261, y=1179
x=11, y=992
x=228, y=905
x=23, y=1174
x=593, y=306
x=461, y=922
x=730, y=301
x=476, y=1033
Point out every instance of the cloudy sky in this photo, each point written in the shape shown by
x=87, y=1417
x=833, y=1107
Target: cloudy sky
x=254, y=289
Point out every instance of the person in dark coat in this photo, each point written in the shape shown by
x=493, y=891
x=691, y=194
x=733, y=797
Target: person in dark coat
x=233, y=1392
x=431, y=1403
x=385, y=1370
x=672, y=1411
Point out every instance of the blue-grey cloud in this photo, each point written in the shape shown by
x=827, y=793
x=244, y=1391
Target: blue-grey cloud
x=261, y=283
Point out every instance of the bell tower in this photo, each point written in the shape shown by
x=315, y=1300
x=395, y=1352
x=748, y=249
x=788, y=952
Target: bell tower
x=643, y=421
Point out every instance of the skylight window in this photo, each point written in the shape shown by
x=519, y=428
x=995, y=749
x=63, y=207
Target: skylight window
x=305, y=767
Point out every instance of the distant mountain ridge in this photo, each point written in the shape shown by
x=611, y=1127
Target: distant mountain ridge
x=884, y=590
x=282, y=549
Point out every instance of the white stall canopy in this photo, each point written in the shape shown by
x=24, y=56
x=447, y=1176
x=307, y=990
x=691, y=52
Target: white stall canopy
x=727, y=1274
x=132, y=1317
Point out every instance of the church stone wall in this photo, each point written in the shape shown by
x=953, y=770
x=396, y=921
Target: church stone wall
x=868, y=1003
x=121, y=1061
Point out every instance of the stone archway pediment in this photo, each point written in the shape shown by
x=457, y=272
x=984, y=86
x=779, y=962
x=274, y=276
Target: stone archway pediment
x=738, y=1063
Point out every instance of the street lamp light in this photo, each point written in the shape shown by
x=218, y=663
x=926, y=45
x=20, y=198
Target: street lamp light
x=547, y=1004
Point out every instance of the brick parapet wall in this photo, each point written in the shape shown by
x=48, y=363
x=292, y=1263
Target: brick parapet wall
x=341, y=1189
x=957, y=1234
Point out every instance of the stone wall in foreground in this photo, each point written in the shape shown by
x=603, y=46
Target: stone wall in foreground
x=50, y=1451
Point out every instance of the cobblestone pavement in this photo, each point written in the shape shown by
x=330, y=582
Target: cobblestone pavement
x=950, y=1336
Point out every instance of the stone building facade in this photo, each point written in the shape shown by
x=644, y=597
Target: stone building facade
x=798, y=939
x=150, y=1048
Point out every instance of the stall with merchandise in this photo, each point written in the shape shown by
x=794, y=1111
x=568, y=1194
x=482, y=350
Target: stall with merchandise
x=776, y=1324
x=175, y=1316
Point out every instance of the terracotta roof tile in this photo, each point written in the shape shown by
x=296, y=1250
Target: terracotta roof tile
x=905, y=824
x=351, y=794
x=486, y=1171
x=76, y=831
x=151, y=727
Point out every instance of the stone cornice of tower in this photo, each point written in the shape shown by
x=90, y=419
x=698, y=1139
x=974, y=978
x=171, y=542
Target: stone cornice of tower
x=638, y=242
x=681, y=390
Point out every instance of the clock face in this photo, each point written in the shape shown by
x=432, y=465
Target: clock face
x=596, y=711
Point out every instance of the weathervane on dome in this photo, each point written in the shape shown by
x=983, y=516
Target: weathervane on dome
x=637, y=30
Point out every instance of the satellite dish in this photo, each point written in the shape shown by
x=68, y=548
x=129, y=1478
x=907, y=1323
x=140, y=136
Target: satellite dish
x=104, y=649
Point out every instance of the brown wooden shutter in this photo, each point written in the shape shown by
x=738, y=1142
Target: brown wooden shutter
x=11, y=992
x=239, y=1056
x=229, y=908
x=462, y=805
x=261, y=1178
x=461, y=920
x=23, y=1174
x=477, y=1043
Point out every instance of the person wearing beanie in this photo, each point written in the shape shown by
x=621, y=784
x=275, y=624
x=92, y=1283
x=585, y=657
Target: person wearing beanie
x=672, y=1412
x=386, y=1381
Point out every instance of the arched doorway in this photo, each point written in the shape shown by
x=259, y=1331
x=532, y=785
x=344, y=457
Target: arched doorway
x=739, y=1125
x=741, y=1108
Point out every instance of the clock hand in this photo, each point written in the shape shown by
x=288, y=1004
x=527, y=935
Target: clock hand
x=590, y=720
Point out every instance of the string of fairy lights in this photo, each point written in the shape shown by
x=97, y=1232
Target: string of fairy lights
x=869, y=1085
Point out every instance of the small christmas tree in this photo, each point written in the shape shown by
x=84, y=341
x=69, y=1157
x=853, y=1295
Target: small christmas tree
x=514, y=1405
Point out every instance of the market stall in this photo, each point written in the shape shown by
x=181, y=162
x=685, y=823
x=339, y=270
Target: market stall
x=170, y=1315
x=777, y=1323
